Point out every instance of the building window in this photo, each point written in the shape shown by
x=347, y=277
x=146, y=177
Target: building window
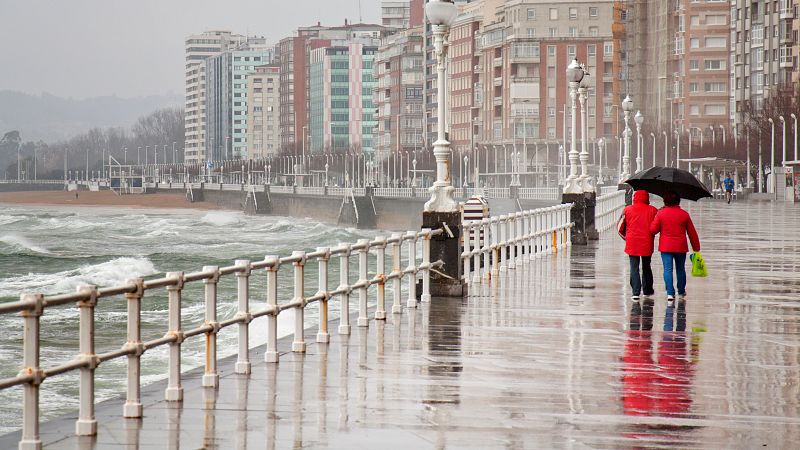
x=551, y=111
x=591, y=50
x=715, y=64
x=531, y=14
x=573, y=13
x=694, y=43
x=594, y=31
x=553, y=32
x=592, y=11
x=715, y=42
x=715, y=87
x=694, y=110
x=692, y=88
x=694, y=64
x=608, y=48
x=553, y=13
x=551, y=51
x=714, y=110
x=573, y=31
x=571, y=51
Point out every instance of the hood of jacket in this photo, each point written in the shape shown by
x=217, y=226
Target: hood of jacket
x=641, y=197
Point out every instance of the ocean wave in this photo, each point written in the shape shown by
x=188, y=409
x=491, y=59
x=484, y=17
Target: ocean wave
x=113, y=272
x=22, y=244
x=221, y=218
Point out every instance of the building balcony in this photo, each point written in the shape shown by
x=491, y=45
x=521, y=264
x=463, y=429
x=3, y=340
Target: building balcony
x=498, y=81
x=521, y=58
x=497, y=61
x=786, y=13
x=608, y=57
x=478, y=68
x=786, y=64
x=497, y=101
x=786, y=39
x=522, y=79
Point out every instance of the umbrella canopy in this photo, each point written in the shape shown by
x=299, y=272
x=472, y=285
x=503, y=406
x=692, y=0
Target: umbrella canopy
x=660, y=180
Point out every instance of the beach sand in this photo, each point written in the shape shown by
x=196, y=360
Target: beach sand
x=101, y=198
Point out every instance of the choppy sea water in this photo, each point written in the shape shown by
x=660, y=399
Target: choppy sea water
x=54, y=250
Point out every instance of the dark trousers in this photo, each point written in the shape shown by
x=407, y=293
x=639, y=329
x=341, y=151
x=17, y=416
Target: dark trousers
x=646, y=275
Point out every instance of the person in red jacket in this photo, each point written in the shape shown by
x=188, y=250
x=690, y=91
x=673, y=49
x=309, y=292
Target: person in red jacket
x=639, y=242
x=674, y=224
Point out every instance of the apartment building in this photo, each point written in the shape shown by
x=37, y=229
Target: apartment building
x=402, y=14
x=263, y=106
x=398, y=96
x=700, y=66
x=523, y=55
x=198, y=48
x=764, y=51
x=341, y=89
x=226, y=98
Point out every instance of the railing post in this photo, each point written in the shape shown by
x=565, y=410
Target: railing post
x=486, y=249
x=299, y=344
x=271, y=352
x=412, y=269
x=511, y=238
x=396, y=273
x=567, y=230
x=323, y=336
x=495, y=246
x=30, y=362
x=174, y=391
x=519, y=237
x=477, y=249
x=465, y=254
x=529, y=233
x=503, y=235
x=380, y=269
x=363, y=262
x=210, y=376
x=426, y=261
x=243, y=365
x=344, y=284
x=133, y=402
x=87, y=423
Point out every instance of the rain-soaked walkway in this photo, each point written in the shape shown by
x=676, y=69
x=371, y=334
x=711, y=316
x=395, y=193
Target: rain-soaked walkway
x=555, y=357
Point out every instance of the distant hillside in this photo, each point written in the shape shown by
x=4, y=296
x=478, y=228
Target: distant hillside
x=50, y=118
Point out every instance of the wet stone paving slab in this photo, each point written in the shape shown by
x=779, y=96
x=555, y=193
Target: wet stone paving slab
x=554, y=354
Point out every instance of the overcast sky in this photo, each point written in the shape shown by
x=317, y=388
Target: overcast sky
x=129, y=48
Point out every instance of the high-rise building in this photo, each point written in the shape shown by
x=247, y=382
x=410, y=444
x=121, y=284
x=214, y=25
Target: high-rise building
x=263, y=105
x=398, y=97
x=464, y=81
x=341, y=86
x=226, y=98
x=764, y=51
x=522, y=91
x=699, y=67
x=402, y=14
x=198, y=48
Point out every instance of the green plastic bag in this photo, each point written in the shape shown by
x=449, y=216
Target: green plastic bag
x=698, y=265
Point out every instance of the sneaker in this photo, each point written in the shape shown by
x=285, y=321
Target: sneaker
x=681, y=297
x=635, y=298
x=670, y=300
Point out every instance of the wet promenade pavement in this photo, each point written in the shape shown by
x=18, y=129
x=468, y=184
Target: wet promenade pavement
x=553, y=356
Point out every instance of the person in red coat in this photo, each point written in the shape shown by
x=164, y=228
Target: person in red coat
x=674, y=224
x=639, y=242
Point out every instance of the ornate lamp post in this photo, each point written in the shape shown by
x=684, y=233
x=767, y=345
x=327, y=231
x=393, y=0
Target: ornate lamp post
x=638, y=118
x=601, y=143
x=574, y=76
x=466, y=172
x=653, y=135
x=583, y=96
x=441, y=14
x=627, y=108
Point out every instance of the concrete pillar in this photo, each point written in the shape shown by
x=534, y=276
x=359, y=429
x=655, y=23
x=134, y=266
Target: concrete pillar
x=448, y=280
x=590, y=199
x=577, y=216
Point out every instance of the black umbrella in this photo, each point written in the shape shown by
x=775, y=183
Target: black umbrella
x=660, y=180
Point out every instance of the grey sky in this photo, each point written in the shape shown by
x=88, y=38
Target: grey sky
x=89, y=48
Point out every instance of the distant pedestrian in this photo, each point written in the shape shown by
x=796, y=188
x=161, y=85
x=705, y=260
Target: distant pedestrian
x=76, y=195
x=639, y=243
x=674, y=224
x=728, y=184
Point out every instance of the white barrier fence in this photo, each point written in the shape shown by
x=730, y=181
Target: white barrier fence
x=504, y=242
x=33, y=306
x=607, y=209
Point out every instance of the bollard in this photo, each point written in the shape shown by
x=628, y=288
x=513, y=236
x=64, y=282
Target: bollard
x=412, y=269
x=211, y=377
x=426, y=261
x=174, y=391
x=87, y=423
x=30, y=362
x=344, y=298
x=271, y=352
x=396, y=273
x=133, y=402
x=299, y=343
x=380, y=269
x=323, y=336
x=243, y=365
x=363, y=261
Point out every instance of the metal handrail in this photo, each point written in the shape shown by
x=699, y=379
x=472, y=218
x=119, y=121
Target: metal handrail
x=33, y=305
x=607, y=208
x=506, y=241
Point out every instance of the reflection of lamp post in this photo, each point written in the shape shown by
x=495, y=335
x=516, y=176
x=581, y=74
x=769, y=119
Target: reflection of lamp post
x=601, y=143
x=441, y=15
x=574, y=76
x=466, y=172
x=783, y=131
x=772, y=163
x=638, y=118
x=326, y=174
x=795, y=136
x=269, y=173
x=627, y=108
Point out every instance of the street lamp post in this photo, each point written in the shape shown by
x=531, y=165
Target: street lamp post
x=583, y=96
x=678, y=150
x=666, y=148
x=795, y=135
x=601, y=143
x=574, y=77
x=638, y=118
x=653, y=135
x=442, y=209
x=772, y=161
x=466, y=172
x=627, y=108
x=783, y=131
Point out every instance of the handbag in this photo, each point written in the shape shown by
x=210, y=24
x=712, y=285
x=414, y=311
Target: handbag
x=622, y=226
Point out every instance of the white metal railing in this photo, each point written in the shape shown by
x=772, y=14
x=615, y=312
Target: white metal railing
x=311, y=190
x=33, y=306
x=607, y=209
x=33, y=182
x=604, y=190
x=282, y=189
x=504, y=242
x=541, y=193
x=393, y=192
x=338, y=191
x=497, y=192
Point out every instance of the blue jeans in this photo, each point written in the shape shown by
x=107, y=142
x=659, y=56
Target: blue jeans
x=679, y=260
x=646, y=276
